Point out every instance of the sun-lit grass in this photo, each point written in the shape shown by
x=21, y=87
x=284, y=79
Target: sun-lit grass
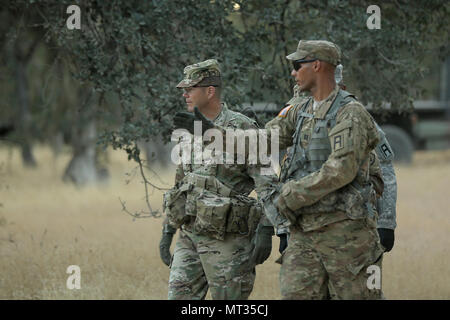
x=47, y=225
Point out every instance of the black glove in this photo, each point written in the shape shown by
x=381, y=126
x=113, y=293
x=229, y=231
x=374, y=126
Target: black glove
x=263, y=244
x=283, y=242
x=386, y=238
x=185, y=120
x=164, y=244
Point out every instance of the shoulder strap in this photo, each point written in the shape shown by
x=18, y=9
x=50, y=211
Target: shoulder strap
x=342, y=98
x=296, y=143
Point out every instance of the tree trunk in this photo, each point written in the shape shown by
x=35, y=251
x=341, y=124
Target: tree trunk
x=82, y=169
x=24, y=117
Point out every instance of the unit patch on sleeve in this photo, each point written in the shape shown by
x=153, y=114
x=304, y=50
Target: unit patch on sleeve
x=283, y=113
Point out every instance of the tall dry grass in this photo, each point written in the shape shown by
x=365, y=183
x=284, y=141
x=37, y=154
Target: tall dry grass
x=47, y=225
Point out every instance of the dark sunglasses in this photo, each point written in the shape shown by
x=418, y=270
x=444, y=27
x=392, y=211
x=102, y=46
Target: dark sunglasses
x=298, y=63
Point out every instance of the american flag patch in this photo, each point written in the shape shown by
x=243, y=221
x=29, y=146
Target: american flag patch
x=284, y=112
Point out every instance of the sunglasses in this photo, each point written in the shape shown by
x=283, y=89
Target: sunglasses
x=298, y=63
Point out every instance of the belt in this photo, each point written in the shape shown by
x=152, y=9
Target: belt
x=210, y=183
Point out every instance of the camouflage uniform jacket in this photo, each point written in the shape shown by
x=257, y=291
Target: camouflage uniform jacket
x=347, y=162
x=386, y=204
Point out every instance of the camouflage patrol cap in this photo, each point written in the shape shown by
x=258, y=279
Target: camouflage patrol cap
x=202, y=74
x=318, y=49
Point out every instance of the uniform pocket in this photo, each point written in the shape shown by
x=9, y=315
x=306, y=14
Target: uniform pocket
x=212, y=212
x=174, y=203
x=370, y=248
x=354, y=204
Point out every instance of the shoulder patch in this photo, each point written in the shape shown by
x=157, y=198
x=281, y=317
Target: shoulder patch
x=383, y=149
x=341, y=139
x=283, y=113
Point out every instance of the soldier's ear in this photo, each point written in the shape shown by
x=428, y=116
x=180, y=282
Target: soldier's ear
x=211, y=91
x=317, y=65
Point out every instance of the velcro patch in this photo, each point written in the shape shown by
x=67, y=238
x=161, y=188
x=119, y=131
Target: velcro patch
x=341, y=139
x=385, y=151
x=283, y=113
x=338, y=141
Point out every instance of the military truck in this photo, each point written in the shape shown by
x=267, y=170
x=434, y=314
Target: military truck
x=427, y=127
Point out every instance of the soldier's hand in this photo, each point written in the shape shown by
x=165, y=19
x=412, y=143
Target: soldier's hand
x=263, y=244
x=185, y=120
x=283, y=242
x=164, y=245
x=386, y=238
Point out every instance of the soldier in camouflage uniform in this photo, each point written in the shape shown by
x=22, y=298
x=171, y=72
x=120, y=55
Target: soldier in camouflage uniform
x=218, y=246
x=327, y=184
x=386, y=204
x=326, y=191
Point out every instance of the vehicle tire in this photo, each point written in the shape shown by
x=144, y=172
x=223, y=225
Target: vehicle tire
x=400, y=142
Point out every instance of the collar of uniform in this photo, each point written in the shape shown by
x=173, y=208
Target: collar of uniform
x=221, y=116
x=325, y=105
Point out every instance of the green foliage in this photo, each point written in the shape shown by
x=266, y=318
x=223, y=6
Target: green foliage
x=138, y=49
x=132, y=53
x=379, y=65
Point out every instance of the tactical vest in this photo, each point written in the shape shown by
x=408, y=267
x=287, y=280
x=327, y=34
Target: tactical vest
x=350, y=201
x=301, y=162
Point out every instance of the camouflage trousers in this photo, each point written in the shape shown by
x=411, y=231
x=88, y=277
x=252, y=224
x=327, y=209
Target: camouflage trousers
x=200, y=262
x=332, y=262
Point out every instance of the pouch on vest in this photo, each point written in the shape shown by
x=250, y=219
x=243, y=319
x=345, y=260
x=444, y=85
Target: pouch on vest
x=212, y=212
x=237, y=219
x=174, y=205
x=244, y=216
x=191, y=202
x=255, y=214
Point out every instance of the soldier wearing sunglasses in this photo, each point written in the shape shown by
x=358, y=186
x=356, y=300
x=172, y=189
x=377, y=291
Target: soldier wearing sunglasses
x=326, y=189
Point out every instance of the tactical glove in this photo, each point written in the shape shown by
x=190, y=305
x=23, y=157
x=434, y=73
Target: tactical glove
x=164, y=244
x=263, y=244
x=386, y=238
x=283, y=242
x=185, y=120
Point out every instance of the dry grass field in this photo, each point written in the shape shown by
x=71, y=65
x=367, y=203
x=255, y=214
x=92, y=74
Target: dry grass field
x=47, y=225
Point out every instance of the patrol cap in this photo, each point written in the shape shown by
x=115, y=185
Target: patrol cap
x=318, y=49
x=202, y=74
